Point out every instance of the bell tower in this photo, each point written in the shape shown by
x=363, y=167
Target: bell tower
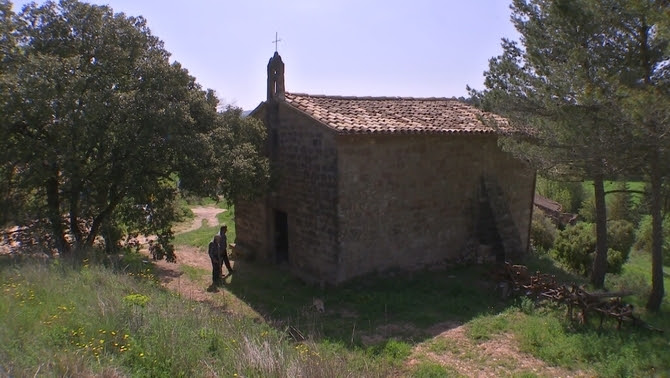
x=275, y=78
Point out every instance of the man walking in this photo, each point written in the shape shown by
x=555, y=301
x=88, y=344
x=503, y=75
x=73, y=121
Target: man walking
x=223, y=250
x=214, y=255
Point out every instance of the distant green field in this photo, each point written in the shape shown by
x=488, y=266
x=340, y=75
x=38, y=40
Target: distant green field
x=613, y=185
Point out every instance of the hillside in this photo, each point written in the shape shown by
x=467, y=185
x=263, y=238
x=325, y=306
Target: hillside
x=135, y=318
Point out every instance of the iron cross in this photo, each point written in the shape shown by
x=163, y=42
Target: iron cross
x=276, y=41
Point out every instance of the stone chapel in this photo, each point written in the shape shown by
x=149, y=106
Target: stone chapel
x=368, y=184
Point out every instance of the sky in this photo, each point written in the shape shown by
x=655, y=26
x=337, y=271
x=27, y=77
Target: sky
x=409, y=48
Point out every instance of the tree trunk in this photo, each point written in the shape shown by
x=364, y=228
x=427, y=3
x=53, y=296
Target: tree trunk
x=115, y=198
x=600, y=261
x=74, y=217
x=54, y=214
x=657, y=290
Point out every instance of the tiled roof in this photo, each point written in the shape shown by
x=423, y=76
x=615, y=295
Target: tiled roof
x=390, y=115
x=547, y=204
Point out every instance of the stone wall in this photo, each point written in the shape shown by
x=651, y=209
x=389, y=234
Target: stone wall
x=251, y=229
x=306, y=162
x=407, y=201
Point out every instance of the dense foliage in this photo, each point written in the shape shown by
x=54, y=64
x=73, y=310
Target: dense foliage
x=569, y=194
x=542, y=232
x=643, y=237
x=99, y=130
x=575, y=245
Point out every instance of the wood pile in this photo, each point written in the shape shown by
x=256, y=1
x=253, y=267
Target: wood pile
x=540, y=286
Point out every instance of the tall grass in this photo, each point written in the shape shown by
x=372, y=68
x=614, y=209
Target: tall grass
x=60, y=320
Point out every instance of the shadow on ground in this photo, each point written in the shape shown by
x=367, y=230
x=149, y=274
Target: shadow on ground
x=406, y=306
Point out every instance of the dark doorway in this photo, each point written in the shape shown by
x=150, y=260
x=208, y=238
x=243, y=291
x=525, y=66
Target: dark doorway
x=281, y=236
x=487, y=231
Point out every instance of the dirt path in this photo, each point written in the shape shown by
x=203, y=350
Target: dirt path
x=203, y=213
x=172, y=275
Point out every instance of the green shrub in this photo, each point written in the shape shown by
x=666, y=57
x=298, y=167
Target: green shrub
x=620, y=236
x=428, y=369
x=136, y=300
x=615, y=261
x=620, y=205
x=527, y=306
x=542, y=232
x=643, y=237
x=392, y=350
x=569, y=194
x=587, y=211
x=183, y=211
x=574, y=247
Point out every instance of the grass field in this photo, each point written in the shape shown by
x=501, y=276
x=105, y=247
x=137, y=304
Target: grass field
x=636, y=276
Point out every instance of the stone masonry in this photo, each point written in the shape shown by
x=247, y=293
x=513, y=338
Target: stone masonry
x=407, y=202
x=373, y=184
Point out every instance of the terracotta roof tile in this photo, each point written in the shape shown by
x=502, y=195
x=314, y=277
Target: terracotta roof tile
x=547, y=204
x=390, y=115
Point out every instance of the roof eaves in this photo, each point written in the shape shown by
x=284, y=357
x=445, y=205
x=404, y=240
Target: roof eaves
x=257, y=109
x=330, y=128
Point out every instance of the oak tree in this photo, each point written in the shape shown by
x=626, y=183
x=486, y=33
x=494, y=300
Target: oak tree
x=102, y=129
